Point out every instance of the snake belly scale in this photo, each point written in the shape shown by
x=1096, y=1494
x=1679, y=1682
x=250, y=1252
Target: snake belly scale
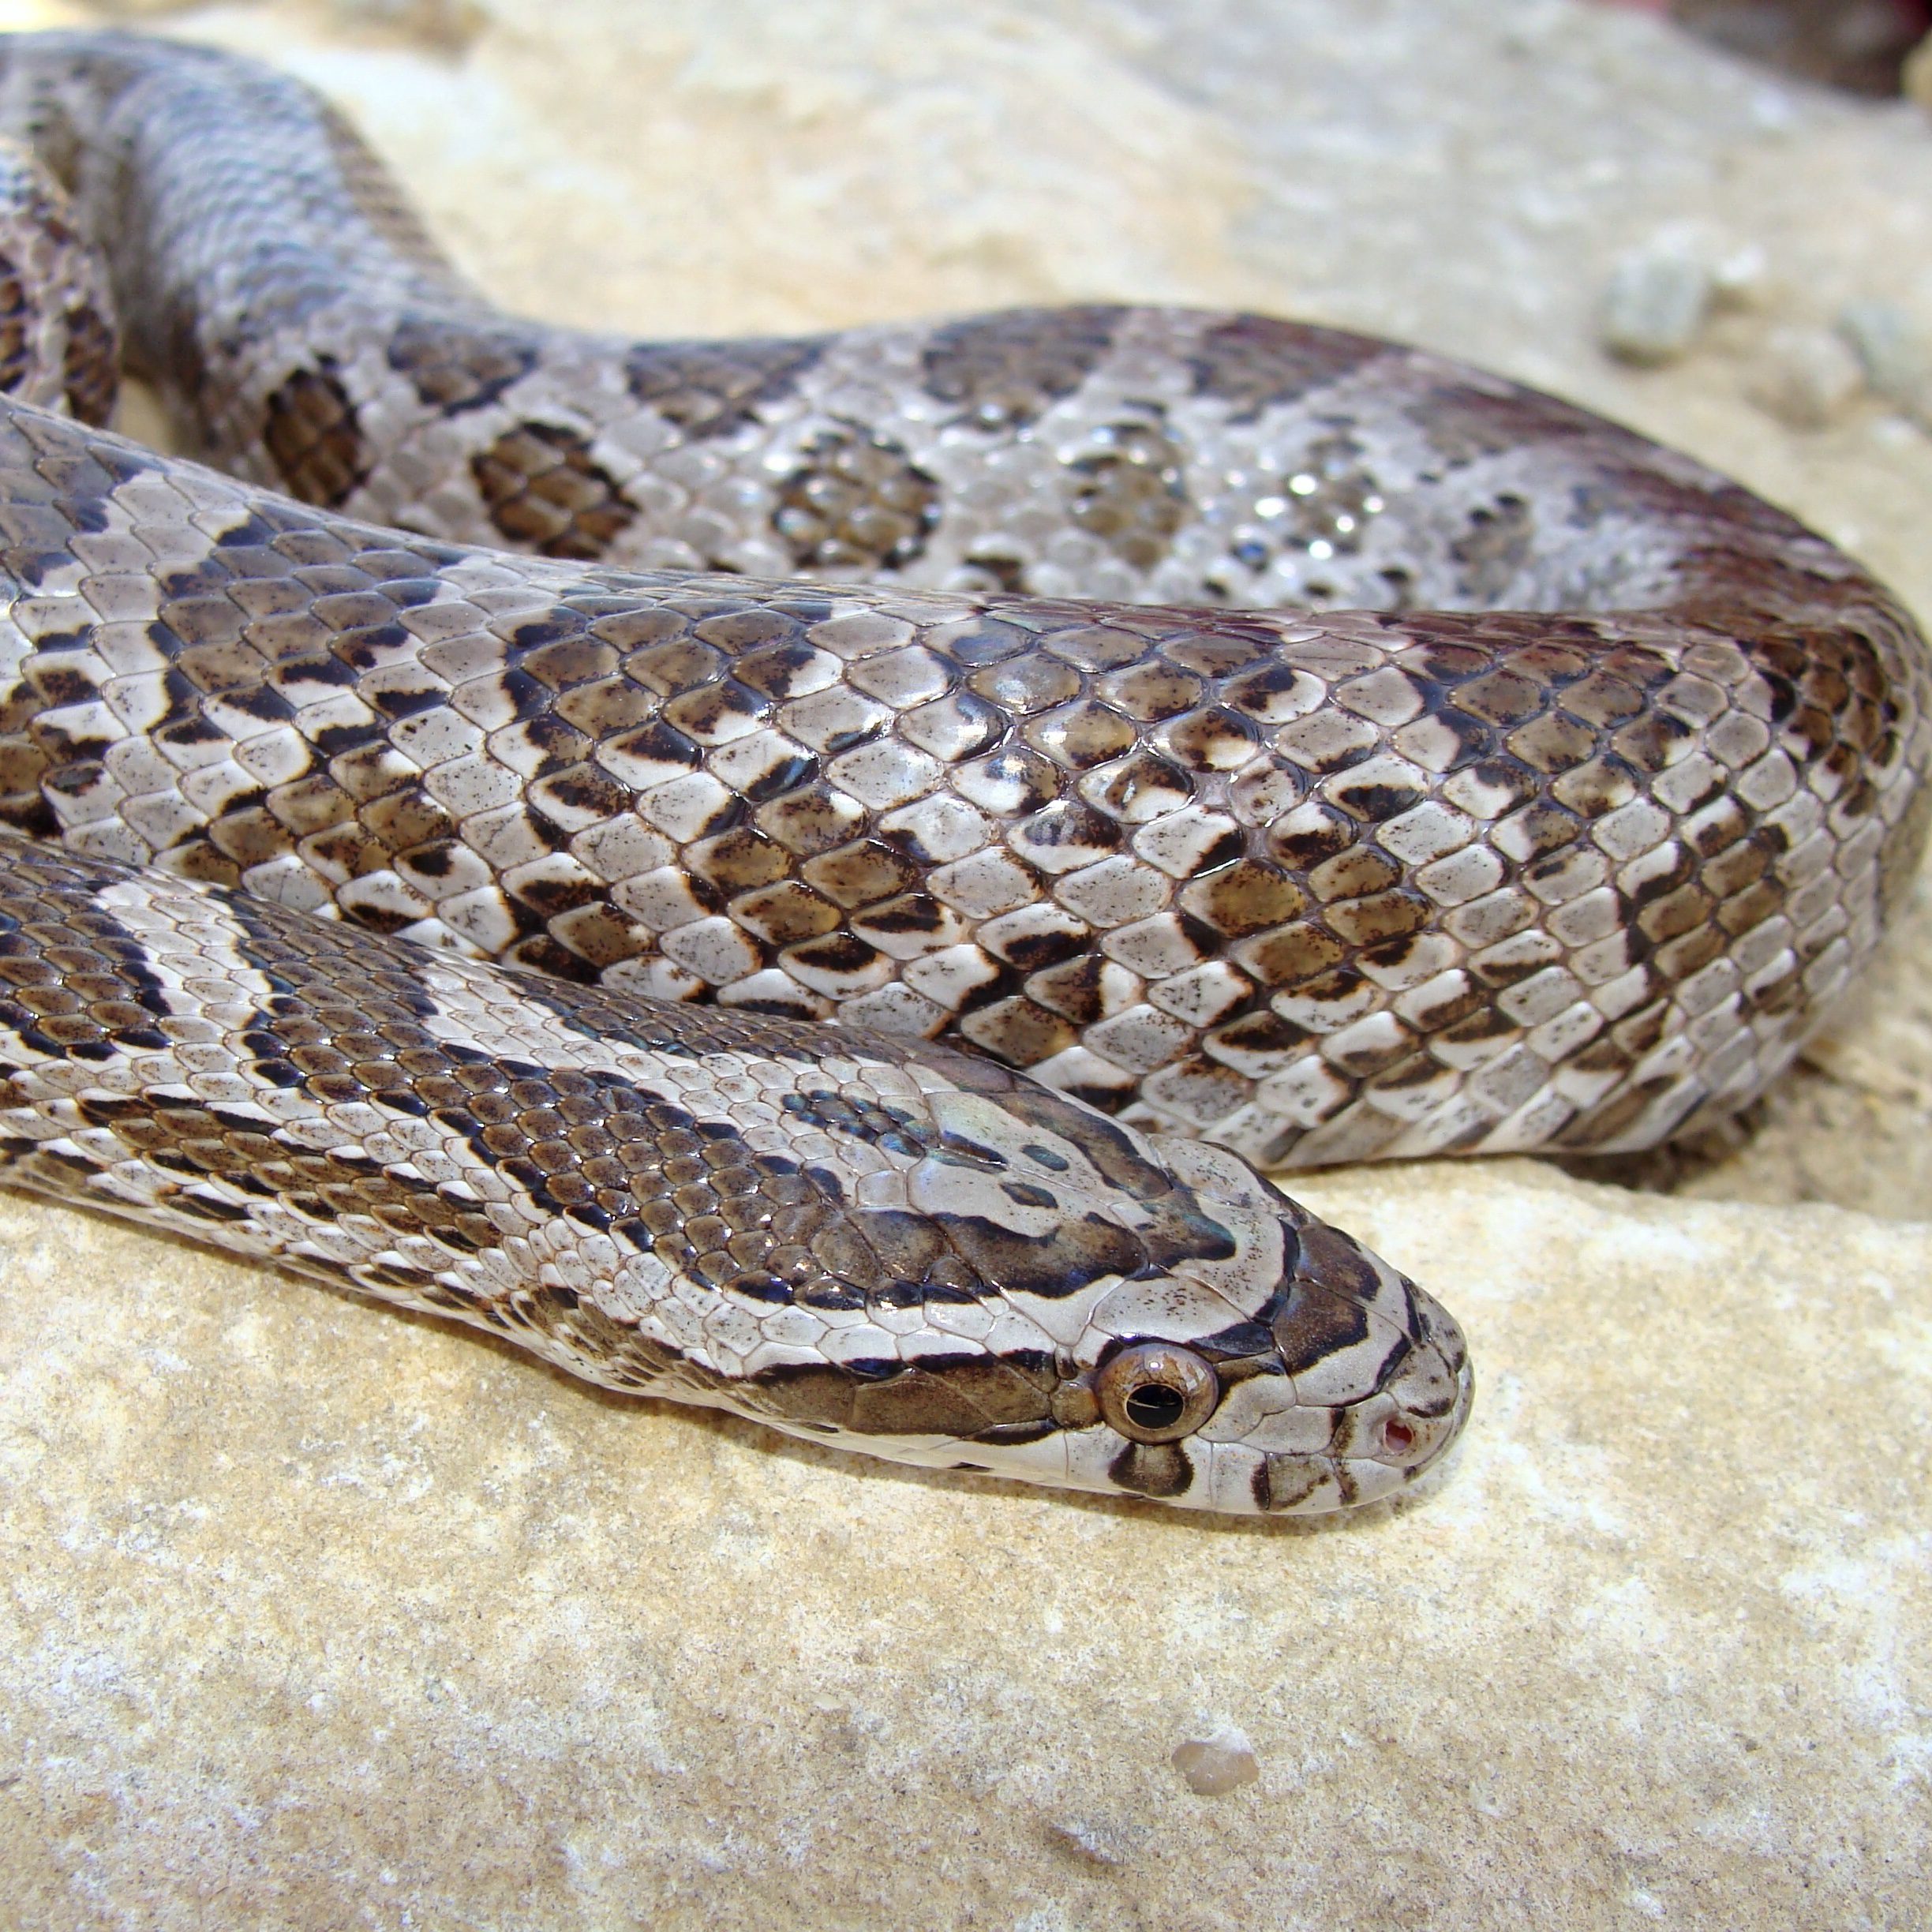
x=1248, y=741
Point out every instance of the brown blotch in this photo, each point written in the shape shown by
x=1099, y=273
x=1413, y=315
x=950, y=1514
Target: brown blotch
x=453, y=366
x=1255, y=362
x=1082, y=734
x=1355, y=874
x=1494, y=549
x=607, y=707
x=16, y=315
x=1076, y=990
x=545, y=493
x=1383, y=916
x=1284, y=1482
x=1211, y=739
x=1006, y=369
x=1151, y=691
x=1323, y=1315
x=1258, y=1042
x=814, y=818
x=1462, y=422
x=740, y=860
x=90, y=366
x=1303, y=850
x=785, y=914
x=1133, y=494
x=1019, y=1032
x=310, y=430
x=862, y=873
x=710, y=389
x=856, y=502
x=1153, y=1469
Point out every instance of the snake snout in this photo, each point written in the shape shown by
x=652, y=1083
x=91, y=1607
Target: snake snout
x=1422, y=1403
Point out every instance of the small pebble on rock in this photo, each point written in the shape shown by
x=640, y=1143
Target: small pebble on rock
x=1215, y=1765
x=1805, y=378
x=1893, y=352
x=1107, y=1843
x=1656, y=303
x=1738, y=274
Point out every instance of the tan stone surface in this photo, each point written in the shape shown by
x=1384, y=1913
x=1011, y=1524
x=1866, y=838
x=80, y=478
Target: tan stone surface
x=316, y=1616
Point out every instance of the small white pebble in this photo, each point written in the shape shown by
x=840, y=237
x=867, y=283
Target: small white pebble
x=1655, y=304
x=1738, y=274
x=1098, y=1841
x=1215, y=1765
x=1805, y=378
x=1893, y=349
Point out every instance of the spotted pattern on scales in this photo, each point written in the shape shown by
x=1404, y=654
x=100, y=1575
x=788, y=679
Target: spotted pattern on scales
x=1256, y=731
x=1319, y=890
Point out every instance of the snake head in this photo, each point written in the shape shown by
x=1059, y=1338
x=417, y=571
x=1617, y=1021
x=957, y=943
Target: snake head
x=1210, y=1343
x=1335, y=1383
x=982, y=1273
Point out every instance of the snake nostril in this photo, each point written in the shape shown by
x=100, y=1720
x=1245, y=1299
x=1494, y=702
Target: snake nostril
x=1397, y=1438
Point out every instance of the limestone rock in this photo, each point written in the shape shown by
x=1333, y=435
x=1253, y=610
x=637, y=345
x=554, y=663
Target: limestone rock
x=320, y=1616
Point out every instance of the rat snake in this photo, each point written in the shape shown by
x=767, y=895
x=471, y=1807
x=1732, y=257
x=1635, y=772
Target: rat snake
x=1281, y=745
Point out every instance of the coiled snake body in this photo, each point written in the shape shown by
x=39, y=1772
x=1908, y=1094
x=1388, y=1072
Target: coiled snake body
x=1437, y=768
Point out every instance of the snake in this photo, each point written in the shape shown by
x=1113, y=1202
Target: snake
x=810, y=876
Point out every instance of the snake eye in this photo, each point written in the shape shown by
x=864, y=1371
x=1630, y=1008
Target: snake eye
x=1157, y=1392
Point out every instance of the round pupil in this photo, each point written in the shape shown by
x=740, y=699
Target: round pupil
x=1154, y=1404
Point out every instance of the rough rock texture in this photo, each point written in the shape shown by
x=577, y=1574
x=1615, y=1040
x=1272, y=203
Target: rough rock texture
x=317, y=1616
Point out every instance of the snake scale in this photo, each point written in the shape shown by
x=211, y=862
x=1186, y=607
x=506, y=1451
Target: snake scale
x=1247, y=741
